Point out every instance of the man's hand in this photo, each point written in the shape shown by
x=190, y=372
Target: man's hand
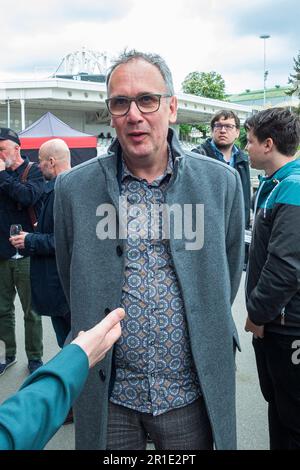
x=2, y=165
x=258, y=331
x=19, y=240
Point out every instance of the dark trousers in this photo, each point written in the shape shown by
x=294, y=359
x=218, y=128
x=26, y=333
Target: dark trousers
x=14, y=278
x=186, y=428
x=62, y=327
x=279, y=378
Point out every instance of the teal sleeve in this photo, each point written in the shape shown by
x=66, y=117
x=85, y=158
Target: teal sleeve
x=32, y=416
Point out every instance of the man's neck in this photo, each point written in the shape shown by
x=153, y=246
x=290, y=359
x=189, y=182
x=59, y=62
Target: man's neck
x=226, y=151
x=275, y=165
x=147, y=169
x=60, y=169
x=17, y=163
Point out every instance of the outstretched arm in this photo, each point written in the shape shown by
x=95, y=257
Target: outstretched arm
x=33, y=415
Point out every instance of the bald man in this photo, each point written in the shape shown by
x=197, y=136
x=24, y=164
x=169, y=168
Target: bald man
x=47, y=295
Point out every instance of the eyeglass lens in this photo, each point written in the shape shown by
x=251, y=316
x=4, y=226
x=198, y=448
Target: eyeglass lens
x=120, y=105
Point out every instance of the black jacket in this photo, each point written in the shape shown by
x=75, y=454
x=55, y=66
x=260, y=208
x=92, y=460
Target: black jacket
x=47, y=294
x=15, y=199
x=273, y=278
x=242, y=167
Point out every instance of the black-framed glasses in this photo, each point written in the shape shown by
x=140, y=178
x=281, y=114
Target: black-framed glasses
x=228, y=127
x=146, y=103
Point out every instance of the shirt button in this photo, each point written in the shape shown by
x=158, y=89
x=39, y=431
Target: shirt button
x=119, y=250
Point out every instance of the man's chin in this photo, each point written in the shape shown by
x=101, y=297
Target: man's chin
x=8, y=164
x=137, y=151
x=223, y=146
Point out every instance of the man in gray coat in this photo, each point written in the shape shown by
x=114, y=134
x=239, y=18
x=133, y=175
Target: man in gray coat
x=153, y=228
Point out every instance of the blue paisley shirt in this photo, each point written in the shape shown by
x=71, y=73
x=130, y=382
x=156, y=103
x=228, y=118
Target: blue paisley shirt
x=154, y=366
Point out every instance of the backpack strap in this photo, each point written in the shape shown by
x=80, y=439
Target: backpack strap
x=25, y=172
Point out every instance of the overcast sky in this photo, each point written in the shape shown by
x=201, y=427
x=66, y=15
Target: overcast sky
x=192, y=35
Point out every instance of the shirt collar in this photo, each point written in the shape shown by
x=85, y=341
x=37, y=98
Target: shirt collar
x=220, y=156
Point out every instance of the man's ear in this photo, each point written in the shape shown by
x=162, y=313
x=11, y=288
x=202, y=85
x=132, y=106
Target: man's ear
x=269, y=144
x=173, y=105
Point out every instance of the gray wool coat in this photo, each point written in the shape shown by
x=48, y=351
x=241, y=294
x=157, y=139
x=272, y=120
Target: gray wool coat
x=91, y=272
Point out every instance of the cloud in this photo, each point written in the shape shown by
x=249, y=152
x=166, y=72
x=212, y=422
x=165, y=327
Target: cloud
x=36, y=16
x=190, y=34
x=274, y=17
x=42, y=33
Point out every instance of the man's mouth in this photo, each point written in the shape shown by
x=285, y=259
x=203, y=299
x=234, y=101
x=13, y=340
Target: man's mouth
x=137, y=136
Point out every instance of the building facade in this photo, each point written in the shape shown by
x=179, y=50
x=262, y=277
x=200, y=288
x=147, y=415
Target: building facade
x=81, y=104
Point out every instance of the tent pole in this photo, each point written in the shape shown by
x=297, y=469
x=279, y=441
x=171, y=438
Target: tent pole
x=8, y=112
x=22, y=101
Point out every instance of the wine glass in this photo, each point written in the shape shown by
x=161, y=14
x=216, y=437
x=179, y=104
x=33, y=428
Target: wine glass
x=15, y=229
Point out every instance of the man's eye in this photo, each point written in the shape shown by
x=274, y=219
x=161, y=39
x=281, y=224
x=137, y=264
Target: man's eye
x=147, y=99
x=120, y=102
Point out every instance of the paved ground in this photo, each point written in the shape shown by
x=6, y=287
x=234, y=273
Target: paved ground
x=251, y=408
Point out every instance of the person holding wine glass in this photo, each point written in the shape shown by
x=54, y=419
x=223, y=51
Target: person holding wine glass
x=16, y=229
x=21, y=189
x=46, y=291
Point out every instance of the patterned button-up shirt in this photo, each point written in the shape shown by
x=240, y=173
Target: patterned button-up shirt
x=154, y=366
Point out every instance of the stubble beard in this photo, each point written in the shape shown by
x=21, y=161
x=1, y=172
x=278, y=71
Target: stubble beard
x=8, y=163
x=224, y=146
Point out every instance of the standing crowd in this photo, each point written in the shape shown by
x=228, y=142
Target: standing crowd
x=156, y=230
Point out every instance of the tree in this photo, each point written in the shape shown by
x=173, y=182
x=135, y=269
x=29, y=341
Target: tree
x=241, y=142
x=209, y=85
x=294, y=79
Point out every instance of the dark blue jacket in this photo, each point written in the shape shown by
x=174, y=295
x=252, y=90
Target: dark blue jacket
x=15, y=199
x=241, y=166
x=47, y=295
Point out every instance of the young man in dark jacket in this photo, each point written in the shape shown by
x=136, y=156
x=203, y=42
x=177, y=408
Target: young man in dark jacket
x=47, y=294
x=17, y=195
x=273, y=281
x=225, y=129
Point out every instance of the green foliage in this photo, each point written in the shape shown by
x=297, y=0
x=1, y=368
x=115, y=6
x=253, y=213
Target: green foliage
x=241, y=142
x=209, y=85
x=294, y=80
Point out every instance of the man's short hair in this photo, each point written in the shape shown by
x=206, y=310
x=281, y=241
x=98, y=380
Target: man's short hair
x=8, y=134
x=225, y=114
x=279, y=124
x=154, y=59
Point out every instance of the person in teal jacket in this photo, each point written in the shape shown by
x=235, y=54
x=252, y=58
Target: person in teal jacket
x=32, y=416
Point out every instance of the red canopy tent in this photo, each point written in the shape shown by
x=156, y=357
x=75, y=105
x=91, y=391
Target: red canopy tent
x=82, y=146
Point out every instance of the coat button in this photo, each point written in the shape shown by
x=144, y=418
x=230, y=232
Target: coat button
x=106, y=311
x=102, y=375
x=119, y=250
